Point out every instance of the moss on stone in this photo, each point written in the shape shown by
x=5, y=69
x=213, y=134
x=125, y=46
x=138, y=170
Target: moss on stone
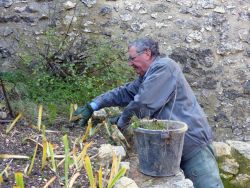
x=244, y=167
x=231, y=181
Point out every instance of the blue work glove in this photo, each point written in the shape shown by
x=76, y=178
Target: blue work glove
x=84, y=113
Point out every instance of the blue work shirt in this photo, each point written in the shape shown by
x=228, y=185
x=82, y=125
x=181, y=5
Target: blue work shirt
x=162, y=93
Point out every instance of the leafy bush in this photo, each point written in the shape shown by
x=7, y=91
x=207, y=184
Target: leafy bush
x=80, y=73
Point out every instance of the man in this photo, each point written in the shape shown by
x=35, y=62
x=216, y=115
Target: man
x=162, y=92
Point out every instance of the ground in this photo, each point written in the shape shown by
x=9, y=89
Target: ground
x=18, y=142
x=21, y=140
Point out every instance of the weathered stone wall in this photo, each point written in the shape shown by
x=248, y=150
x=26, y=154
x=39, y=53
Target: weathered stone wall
x=208, y=38
x=233, y=158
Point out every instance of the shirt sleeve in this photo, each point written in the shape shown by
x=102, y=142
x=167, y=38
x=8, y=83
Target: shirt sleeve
x=154, y=93
x=93, y=106
x=120, y=96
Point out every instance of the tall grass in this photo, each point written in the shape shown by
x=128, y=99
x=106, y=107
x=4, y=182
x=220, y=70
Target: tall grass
x=19, y=179
x=89, y=171
x=13, y=123
x=33, y=160
x=39, y=119
x=45, y=148
x=67, y=159
x=52, y=156
x=115, y=174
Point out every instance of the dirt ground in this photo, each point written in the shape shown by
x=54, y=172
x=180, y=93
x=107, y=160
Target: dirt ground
x=18, y=142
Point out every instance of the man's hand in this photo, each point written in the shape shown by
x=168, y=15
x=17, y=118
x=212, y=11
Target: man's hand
x=123, y=123
x=114, y=120
x=83, y=113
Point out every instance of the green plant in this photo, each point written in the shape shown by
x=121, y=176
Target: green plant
x=67, y=160
x=89, y=171
x=1, y=179
x=56, y=68
x=39, y=118
x=102, y=68
x=52, y=109
x=115, y=174
x=13, y=123
x=52, y=155
x=44, y=155
x=19, y=179
x=45, y=147
x=33, y=159
x=148, y=124
x=100, y=182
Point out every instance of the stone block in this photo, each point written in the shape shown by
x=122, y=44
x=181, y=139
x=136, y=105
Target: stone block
x=221, y=149
x=3, y=115
x=100, y=115
x=125, y=182
x=69, y=5
x=241, y=181
x=230, y=166
x=241, y=153
x=242, y=148
x=106, y=151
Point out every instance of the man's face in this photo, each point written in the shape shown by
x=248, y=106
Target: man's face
x=139, y=61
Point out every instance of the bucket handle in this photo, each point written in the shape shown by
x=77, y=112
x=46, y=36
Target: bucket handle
x=175, y=93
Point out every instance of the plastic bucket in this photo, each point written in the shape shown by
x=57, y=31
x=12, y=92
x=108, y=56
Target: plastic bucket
x=159, y=151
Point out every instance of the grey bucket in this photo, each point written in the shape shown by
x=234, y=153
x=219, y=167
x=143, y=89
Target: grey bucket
x=159, y=151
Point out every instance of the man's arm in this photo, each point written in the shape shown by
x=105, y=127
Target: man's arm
x=120, y=96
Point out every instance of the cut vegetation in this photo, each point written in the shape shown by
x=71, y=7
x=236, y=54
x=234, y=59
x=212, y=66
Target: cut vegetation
x=34, y=156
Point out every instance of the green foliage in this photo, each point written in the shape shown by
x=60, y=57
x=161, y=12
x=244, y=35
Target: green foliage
x=33, y=160
x=19, y=179
x=151, y=125
x=52, y=112
x=103, y=70
x=67, y=160
x=41, y=78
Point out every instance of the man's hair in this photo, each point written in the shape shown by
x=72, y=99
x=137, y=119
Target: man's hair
x=145, y=44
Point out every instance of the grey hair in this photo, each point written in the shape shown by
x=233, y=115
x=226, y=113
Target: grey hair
x=145, y=44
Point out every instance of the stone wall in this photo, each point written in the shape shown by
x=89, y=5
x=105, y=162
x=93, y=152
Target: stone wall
x=233, y=158
x=208, y=38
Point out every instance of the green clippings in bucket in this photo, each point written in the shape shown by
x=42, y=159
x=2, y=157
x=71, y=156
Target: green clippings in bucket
x=143, y=123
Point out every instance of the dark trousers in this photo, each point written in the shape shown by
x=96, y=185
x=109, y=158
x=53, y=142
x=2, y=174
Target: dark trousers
x=202, y=169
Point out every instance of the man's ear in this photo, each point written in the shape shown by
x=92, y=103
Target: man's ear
x=148, y=53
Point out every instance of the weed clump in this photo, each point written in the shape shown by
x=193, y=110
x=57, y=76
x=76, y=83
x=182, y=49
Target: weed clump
x=146, y=124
